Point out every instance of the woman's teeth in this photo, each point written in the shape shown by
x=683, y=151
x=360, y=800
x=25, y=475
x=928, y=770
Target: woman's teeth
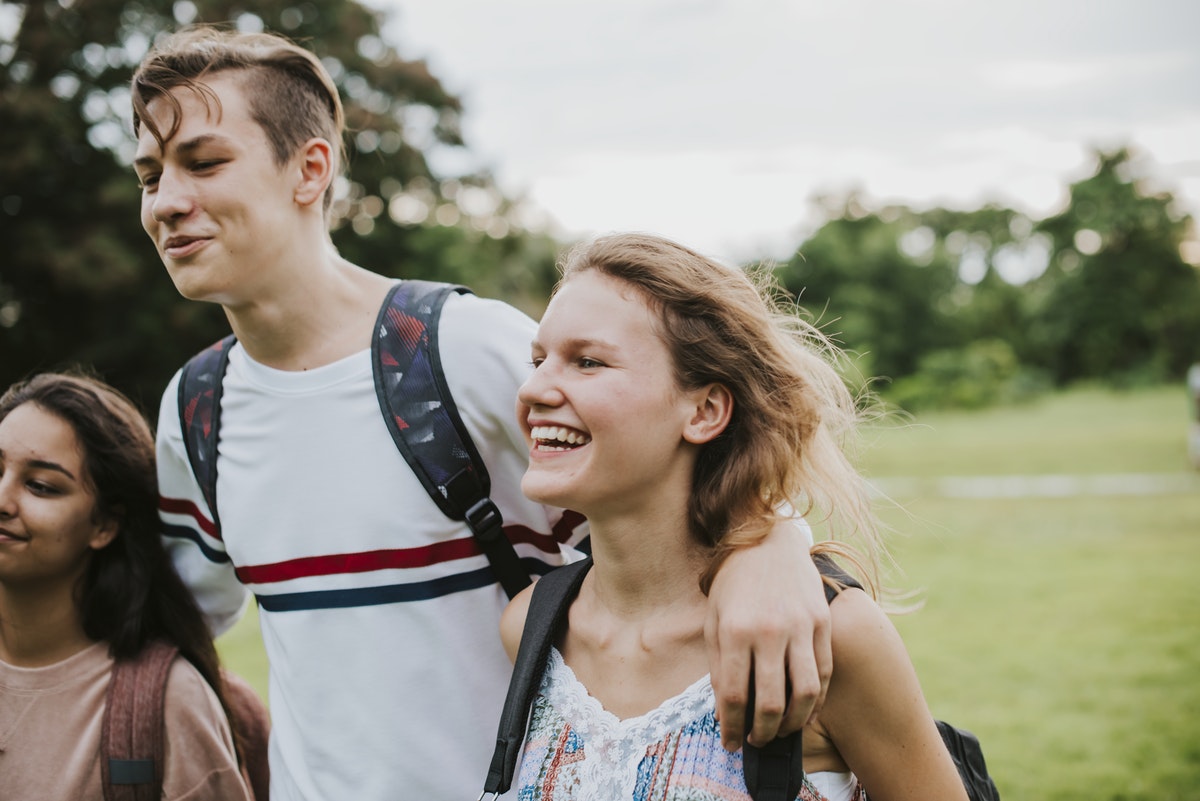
x=558, y=438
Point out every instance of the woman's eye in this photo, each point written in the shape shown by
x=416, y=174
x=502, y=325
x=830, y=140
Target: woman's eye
x=42, y=488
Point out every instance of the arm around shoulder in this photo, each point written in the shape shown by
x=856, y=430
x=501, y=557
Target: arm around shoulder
x=767, y=608
x=875, y=712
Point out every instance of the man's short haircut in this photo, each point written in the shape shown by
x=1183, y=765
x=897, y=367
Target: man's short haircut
x=290, y=93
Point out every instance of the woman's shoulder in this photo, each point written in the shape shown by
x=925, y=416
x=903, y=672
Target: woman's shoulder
x=207, y=768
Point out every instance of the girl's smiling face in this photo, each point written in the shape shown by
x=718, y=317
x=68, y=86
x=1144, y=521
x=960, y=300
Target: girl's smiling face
x=48, y=525
x=608, y=425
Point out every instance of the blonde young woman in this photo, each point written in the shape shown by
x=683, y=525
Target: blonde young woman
x=675, y=407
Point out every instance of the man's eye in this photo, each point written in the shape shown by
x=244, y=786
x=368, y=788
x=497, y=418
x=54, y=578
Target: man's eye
x=588, y=364
x=148, y=181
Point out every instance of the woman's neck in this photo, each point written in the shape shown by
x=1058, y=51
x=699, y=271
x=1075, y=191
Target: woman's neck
x=646, y=564
x=39, y=627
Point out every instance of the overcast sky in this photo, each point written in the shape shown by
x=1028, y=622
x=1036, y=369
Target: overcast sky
x=716, y=121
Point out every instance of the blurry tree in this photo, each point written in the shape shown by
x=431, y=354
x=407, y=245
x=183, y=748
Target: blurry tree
x=80, y=282
x=872, y=281
x=1119, y=302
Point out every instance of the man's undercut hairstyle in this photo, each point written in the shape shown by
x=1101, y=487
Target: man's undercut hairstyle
x=290, y=93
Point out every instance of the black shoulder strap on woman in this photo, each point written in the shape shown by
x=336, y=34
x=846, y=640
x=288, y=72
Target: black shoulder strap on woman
x=548, y=605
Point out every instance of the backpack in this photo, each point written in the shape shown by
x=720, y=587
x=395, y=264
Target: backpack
x=416, y=406
x=773, y=772
x=132, y=729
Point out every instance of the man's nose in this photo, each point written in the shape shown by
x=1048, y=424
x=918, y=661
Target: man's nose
x=173, y=197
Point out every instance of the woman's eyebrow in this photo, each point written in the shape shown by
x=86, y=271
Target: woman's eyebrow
x=43, y=464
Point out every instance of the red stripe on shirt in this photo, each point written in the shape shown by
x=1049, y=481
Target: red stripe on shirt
x=180, y=506
x=384, y=559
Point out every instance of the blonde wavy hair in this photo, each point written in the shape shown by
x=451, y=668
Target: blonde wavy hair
x=794, y=417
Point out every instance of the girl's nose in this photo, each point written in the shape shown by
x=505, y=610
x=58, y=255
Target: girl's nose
x=540, y=388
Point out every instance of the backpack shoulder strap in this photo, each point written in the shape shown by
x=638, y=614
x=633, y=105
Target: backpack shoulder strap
x=426, y=426
x=548, y=605
x=131, y=733
x=199, y=399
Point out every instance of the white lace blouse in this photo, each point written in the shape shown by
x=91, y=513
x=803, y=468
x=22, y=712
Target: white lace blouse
x=575, y=750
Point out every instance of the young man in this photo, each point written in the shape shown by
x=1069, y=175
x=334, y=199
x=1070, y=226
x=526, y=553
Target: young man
x=381, y=624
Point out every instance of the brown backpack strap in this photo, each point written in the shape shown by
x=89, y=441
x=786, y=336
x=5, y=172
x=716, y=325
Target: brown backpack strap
x=131, y=734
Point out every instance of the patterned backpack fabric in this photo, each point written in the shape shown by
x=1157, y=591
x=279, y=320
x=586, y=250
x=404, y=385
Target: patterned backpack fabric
x=416, y=406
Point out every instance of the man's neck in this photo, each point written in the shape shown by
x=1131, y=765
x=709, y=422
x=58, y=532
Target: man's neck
x=322, y=316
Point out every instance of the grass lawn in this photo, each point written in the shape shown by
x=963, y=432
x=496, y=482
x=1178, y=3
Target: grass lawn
x=1065, y=632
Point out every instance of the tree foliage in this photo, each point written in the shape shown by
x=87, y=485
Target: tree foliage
x=81, y=283
x=963, y=307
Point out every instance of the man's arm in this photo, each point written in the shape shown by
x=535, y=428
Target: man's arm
x=768, y=619
x=196, y=551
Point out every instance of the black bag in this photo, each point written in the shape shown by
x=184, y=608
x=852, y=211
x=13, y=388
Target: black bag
x=773, y=772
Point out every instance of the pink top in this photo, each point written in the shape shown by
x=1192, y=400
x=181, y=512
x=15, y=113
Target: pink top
x=50, y=733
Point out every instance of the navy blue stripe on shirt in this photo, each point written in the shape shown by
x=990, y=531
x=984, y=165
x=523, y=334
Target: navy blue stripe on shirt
x=187, y=533
x=389, y=594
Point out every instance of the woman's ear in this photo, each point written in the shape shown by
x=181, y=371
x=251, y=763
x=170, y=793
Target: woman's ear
x=106, y=530
x=316, y=171
x=714, y=407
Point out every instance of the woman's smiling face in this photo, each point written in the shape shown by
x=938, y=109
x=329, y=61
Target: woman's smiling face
x=602, y=409
x=48, y=526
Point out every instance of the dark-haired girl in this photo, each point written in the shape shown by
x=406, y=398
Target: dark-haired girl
x=84, y=581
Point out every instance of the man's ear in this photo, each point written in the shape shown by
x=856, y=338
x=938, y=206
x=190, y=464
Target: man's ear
x=714, y=408
x=316, y=171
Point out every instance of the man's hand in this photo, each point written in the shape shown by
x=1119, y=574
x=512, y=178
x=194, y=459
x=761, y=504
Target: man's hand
x=768, y=618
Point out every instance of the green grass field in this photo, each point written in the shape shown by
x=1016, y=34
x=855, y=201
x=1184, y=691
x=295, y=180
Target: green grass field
x=1064, y=631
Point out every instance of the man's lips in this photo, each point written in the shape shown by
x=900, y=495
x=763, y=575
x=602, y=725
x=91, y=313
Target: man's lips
x=180, y=246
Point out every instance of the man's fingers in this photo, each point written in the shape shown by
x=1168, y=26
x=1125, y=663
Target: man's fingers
x=770, y=698
x=729, y=668
x=808, y=678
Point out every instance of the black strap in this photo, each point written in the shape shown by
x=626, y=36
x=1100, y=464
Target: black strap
x=425, y=424
x=417, y=407
x=200, y=385
x=547, y=615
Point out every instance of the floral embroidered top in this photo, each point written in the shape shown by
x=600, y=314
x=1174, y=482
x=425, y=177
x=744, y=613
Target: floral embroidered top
x=575, y=750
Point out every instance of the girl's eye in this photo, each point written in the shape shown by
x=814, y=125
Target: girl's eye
x=536, y=363
x=42, y=488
